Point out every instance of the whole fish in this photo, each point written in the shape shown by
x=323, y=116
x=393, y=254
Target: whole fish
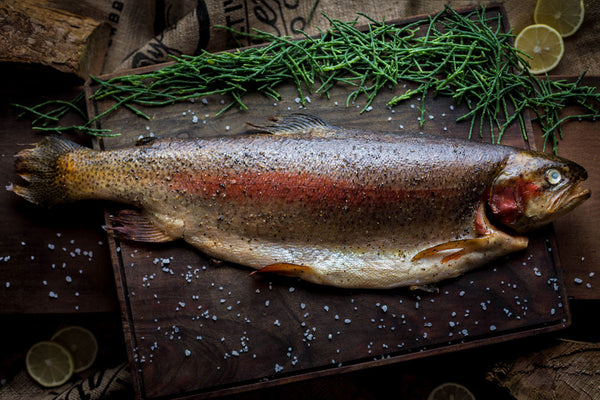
x=333, y=206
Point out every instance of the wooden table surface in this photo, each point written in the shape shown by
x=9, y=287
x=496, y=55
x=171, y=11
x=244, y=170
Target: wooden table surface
x=58, y=262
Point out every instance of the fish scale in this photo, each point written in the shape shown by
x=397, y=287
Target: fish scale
x=333, y=206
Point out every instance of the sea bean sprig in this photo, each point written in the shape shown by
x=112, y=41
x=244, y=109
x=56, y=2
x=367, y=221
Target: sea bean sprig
x=467, y=57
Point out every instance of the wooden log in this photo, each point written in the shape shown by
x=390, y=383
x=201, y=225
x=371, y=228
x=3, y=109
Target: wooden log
x=568, y=370
x=32, y=32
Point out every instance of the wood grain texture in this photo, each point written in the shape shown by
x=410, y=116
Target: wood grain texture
x=567, y=370
x=196, y=326
x=577, y=231
x=64, y=250
x=33, y=32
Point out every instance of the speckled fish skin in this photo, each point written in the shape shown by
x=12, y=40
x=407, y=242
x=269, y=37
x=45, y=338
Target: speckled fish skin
x=339, y=207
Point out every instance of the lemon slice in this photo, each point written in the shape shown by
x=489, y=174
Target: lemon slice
x=544, y=44
x=49, y=364
x=81, y=343
x=566, y=16
x=451, y=391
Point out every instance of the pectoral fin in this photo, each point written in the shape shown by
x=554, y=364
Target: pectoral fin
x=134, y=225
x=462, y=247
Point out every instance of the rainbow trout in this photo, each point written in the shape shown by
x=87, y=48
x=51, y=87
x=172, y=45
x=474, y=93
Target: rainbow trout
x=332, y=206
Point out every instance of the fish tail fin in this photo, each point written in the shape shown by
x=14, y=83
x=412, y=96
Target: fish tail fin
x=39, y=167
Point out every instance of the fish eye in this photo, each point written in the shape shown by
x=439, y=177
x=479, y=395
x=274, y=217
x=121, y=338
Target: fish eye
x=553, y=176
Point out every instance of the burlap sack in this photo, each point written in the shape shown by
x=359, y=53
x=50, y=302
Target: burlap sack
x=200, y=28
x=110, y=383
x=147, y=31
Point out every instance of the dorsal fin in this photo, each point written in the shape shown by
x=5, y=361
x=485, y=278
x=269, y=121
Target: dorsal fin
x=296, y=124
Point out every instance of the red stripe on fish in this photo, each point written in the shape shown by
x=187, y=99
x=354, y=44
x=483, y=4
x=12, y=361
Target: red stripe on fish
x=295, y=187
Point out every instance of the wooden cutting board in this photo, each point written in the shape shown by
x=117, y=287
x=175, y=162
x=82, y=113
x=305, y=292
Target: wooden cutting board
x=199, y=327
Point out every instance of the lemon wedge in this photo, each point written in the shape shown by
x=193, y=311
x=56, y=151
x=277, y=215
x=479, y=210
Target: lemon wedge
x=451, y=391
x=566, y=16
x=544, y=44
x=49, y=364
x=81, y=343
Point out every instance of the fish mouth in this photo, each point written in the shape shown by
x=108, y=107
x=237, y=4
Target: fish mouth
x=569, y=199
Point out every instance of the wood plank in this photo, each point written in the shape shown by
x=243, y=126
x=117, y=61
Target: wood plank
x=50, y=261
x=577, y=232
x=565, y=370
x=197, y=327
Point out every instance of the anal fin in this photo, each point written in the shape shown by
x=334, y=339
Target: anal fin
x=134, y=225
x=286, y=269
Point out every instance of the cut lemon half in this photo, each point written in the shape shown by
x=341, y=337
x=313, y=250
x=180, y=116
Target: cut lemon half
x=451, y=391
x=49, y=363
x=566, y=16
x=544, y=44
x=81, y=343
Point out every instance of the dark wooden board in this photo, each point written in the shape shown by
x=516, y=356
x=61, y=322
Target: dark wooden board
x=51, y=261
x=198, y=327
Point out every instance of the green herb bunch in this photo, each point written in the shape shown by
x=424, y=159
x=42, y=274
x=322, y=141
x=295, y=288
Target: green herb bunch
x=466, y=57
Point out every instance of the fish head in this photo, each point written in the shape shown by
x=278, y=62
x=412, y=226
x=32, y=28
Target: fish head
x=533, y=189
